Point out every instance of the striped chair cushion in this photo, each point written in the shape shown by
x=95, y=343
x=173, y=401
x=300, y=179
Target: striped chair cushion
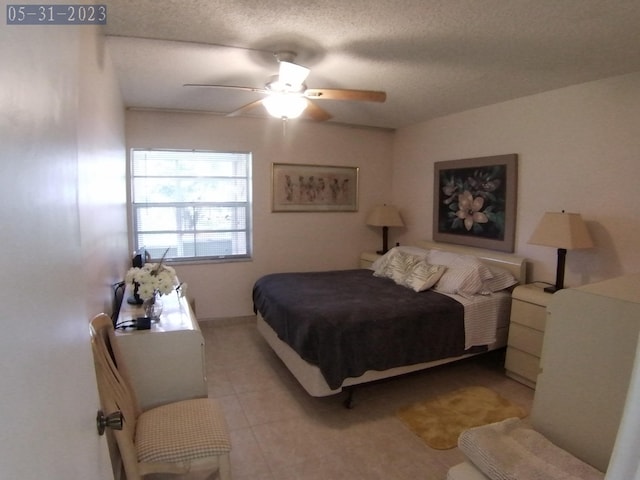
x=182, y=431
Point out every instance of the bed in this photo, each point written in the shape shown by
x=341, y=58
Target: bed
x=332, y=337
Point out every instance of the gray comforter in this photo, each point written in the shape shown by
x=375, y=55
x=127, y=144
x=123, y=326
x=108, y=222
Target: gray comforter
x=347, y=322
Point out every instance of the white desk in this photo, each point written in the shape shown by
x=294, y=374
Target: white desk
x=166, y=363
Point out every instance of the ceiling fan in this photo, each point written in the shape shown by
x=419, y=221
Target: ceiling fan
x=287, y=96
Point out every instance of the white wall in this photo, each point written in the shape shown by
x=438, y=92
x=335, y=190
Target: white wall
x=579, y=151
x=282, y=241
x=63, y=244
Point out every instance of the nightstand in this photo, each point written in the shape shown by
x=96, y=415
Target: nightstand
x=526, y=332
x=367, y=259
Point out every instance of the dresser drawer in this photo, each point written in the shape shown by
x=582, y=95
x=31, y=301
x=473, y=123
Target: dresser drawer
x=528, y=314
x=522, y=363
x=525, y=339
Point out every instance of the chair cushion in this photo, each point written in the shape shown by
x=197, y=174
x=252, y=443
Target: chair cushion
x=182, y=431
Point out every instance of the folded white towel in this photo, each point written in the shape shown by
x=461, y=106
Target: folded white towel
x=511, y=450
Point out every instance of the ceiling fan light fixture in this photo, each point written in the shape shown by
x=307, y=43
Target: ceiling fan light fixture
x=282, y=105
x=292, y=76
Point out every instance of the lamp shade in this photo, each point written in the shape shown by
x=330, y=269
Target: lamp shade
x=385, y=216
x=562, y=230
x=285, y=105
x=565, y=231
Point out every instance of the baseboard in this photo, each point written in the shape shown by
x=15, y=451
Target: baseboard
x=223, y=321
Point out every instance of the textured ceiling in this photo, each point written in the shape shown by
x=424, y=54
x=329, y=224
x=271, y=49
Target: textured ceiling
x=432, y=57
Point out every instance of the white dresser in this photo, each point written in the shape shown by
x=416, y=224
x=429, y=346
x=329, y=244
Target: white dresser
x=588, y=353
x=166, y=363
x=590, y=343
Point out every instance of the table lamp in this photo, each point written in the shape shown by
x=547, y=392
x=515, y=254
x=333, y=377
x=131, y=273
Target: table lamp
x=384, y=216
x=565, y=231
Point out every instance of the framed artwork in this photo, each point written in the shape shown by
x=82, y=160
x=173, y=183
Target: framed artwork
x=314, y=188
x=475, y=202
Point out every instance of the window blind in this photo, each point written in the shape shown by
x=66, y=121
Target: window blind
x=193, y=204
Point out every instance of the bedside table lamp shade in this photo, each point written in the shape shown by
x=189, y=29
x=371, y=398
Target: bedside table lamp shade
x=384, y=216
x=565, y=231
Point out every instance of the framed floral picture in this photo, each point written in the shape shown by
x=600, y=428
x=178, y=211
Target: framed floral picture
x=314, y=188
x=475, y=202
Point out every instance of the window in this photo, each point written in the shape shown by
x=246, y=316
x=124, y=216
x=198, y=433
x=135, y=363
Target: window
x=196, y=204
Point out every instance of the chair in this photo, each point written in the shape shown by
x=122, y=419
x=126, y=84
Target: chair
x=177, y=438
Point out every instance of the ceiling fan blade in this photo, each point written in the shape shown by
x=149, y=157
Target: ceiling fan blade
x=316, y=113
x=245, y=109
x=342, y=94
x=231, y=87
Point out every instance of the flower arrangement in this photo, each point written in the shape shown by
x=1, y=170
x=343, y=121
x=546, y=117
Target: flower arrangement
x=154, y=279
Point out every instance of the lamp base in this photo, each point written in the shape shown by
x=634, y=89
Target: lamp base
x=562, y=254
x=385, y=242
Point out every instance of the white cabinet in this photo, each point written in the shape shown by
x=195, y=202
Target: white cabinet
x=590, y=344
x=166, y=363
x=526, y=332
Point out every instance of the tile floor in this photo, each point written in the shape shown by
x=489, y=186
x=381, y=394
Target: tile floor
x=279, y=432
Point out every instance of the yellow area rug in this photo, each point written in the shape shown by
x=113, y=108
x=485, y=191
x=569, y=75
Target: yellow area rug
x=441, y=420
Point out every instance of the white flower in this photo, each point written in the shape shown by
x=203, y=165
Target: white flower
x=146, y=291
x=152, y=278
x=469, y=210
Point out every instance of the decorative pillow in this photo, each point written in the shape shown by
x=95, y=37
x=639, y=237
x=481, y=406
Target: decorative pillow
x=398, y=265
x=501, y=279
x=423, y=276
x=420, y=252
x=380, y=265
x=465, y=274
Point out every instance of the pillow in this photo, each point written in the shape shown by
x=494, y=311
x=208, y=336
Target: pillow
x=380, y=264
x=465, y=274
x=501, y=279
x=423, y=276
x=410, y=271
x=397, y=265
x=421, y=252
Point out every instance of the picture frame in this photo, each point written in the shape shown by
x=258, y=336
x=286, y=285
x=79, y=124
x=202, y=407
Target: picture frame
x=314, y=188
x=475, y=201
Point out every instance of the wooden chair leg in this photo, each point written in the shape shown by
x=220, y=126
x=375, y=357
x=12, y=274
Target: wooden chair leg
x=224, y=469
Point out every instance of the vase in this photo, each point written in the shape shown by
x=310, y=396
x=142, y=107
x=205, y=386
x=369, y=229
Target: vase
x=153, y=307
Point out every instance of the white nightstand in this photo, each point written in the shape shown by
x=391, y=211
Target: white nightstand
x=367, y=259
x=526, y=332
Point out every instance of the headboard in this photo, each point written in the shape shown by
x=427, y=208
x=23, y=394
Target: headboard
x=513, y=263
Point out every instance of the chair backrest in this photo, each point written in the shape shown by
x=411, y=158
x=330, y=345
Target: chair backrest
x=115, y=389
